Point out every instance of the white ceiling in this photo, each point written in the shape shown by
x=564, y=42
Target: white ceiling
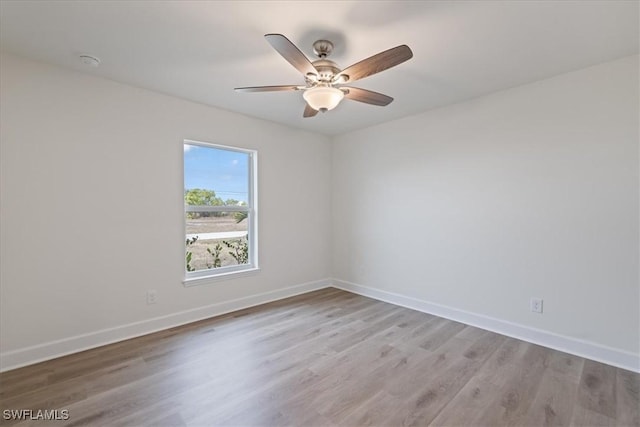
x=201, y=50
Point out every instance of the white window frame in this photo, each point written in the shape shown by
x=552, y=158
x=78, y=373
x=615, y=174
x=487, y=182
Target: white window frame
x=227, y=272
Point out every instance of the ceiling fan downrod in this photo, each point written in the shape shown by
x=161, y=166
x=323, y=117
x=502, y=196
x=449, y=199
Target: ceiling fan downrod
x=322, y=48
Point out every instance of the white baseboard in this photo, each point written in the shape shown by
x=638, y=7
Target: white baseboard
x=50, y=350
x=589, y=350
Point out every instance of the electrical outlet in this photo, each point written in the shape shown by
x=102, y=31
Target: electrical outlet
x=536, y=305
x=152, y=296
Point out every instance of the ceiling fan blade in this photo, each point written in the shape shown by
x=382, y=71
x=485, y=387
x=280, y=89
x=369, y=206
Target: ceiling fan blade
x=291, y=53
x=267, y=88
x=374, y=64
x=308, y=111
x=367, y=96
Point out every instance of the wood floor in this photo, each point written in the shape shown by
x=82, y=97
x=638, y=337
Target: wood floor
x=322, y=359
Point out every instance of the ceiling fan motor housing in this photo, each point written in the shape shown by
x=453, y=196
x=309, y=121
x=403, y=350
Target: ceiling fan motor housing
x=326, y=69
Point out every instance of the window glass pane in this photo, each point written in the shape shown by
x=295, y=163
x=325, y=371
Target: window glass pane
x=216, y=239
x=219, y=210
x=215, y=177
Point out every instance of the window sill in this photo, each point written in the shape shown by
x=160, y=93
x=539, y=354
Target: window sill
x=204, y=280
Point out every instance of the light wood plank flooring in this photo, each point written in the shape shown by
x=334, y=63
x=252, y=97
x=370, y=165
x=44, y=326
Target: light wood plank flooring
x=326, y=358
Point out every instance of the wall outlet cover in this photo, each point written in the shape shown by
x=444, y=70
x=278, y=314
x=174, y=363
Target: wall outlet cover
x=536, y=305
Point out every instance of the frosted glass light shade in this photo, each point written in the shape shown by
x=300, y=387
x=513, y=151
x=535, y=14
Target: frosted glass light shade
x=323, y=97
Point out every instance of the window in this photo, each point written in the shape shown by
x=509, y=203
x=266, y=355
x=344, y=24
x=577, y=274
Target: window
x=220, y=210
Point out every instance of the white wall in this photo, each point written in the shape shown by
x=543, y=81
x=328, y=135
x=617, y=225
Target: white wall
x=470, y=209
x=92, y=210
x=476, y=207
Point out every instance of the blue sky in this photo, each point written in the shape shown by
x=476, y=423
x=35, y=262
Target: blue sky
x=223, y=171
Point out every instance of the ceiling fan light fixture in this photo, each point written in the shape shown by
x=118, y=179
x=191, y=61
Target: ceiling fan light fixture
x=323, y=98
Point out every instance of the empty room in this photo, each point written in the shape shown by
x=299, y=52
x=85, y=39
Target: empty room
x=320, y=213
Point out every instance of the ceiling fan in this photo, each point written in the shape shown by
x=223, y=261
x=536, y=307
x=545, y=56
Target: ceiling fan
x=323, y=90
